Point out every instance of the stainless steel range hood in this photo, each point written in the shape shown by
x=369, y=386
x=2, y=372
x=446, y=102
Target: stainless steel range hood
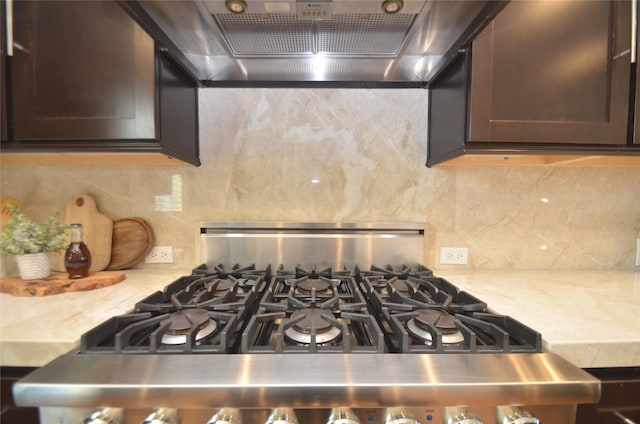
x=363, y=41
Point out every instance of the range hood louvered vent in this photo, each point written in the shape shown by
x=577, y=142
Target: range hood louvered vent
x=343, y=35
x=255, y=35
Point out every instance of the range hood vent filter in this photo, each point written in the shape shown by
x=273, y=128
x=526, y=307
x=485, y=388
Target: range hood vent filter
x=250, y=35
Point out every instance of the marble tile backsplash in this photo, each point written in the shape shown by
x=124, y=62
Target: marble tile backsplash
x=354, y=155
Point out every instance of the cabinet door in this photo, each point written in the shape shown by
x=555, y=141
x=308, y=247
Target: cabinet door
x=553, y=72
x=82, y=70
x=636, y=122
x=3, y=72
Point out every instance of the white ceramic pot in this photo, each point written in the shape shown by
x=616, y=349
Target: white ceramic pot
x=33, y=266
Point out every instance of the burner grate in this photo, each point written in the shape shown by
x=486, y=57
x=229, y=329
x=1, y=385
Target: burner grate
x=244, y=310
x=143, y=333
x=306, y=312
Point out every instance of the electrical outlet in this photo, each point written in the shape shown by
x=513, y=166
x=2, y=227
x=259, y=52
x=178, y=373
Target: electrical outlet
x=638, y=252
x=160, y=255
x=454, y=255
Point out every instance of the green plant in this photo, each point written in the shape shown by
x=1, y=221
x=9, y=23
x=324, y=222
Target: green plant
x=22, y=235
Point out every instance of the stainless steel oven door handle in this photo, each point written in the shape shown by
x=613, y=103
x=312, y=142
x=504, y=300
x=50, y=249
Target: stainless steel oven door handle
x=9, y=25
x=634, y=31
x=623, y=418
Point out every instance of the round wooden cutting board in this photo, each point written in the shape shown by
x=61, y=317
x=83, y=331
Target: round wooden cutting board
x=131, y=241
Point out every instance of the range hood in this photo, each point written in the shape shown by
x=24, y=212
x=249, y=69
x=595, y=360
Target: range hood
x=403, y=42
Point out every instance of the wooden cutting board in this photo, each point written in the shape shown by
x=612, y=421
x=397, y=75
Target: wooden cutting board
x=97, y=231
x=131, y=241
x=58, y=283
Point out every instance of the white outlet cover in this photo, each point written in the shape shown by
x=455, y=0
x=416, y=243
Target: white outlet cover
x=160, y=255
x=454, y=255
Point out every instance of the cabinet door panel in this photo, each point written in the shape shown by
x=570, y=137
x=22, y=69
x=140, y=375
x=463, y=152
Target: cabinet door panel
x=81, y=71
x=553, y=72
x=3, y=66
x=636, y=122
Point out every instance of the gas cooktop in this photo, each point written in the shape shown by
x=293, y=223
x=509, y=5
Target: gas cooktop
x=240, y=309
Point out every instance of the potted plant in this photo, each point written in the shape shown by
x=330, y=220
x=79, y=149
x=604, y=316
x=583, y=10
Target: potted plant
x=31, y=242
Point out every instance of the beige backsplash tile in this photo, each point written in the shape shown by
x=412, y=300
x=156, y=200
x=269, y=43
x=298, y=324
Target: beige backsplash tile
x=262, y=148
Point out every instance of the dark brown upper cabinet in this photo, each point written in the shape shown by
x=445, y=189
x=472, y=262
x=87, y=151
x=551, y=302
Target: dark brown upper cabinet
x=85, y=77
x=3, y=71
x=545, y=78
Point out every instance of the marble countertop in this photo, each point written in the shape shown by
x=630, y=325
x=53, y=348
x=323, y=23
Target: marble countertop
x=590, y=318
x=35, y=330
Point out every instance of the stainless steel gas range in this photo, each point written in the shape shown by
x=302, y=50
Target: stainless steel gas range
x=309, y=323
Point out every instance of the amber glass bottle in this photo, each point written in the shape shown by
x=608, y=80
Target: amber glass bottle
x=77, y=259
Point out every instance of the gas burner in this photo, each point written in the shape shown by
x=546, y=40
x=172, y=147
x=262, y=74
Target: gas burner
x=301, y=272
x=196, y=292
x=210, y=292
x=224, y=285
x=445, y=293
x=422, y=325
x=308, y=284
x=402, y=273
x=236, y=271
x=186, y=330
x=308, y=292
x=397, y=295
x=399, y=285
x=182, y=322
x=390, y=272
x=308, y=322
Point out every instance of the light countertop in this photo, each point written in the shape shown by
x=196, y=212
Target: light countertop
x=589, y=317
x=35, y=330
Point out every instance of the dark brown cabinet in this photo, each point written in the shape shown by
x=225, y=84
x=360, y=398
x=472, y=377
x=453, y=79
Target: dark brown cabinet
x=84, y=77
x=3, y=71
x=619, y=399
x=543, y=78
x=75, y=77
x=9, y=412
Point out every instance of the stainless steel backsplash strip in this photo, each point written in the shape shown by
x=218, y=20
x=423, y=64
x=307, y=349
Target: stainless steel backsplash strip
x=320, y=245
